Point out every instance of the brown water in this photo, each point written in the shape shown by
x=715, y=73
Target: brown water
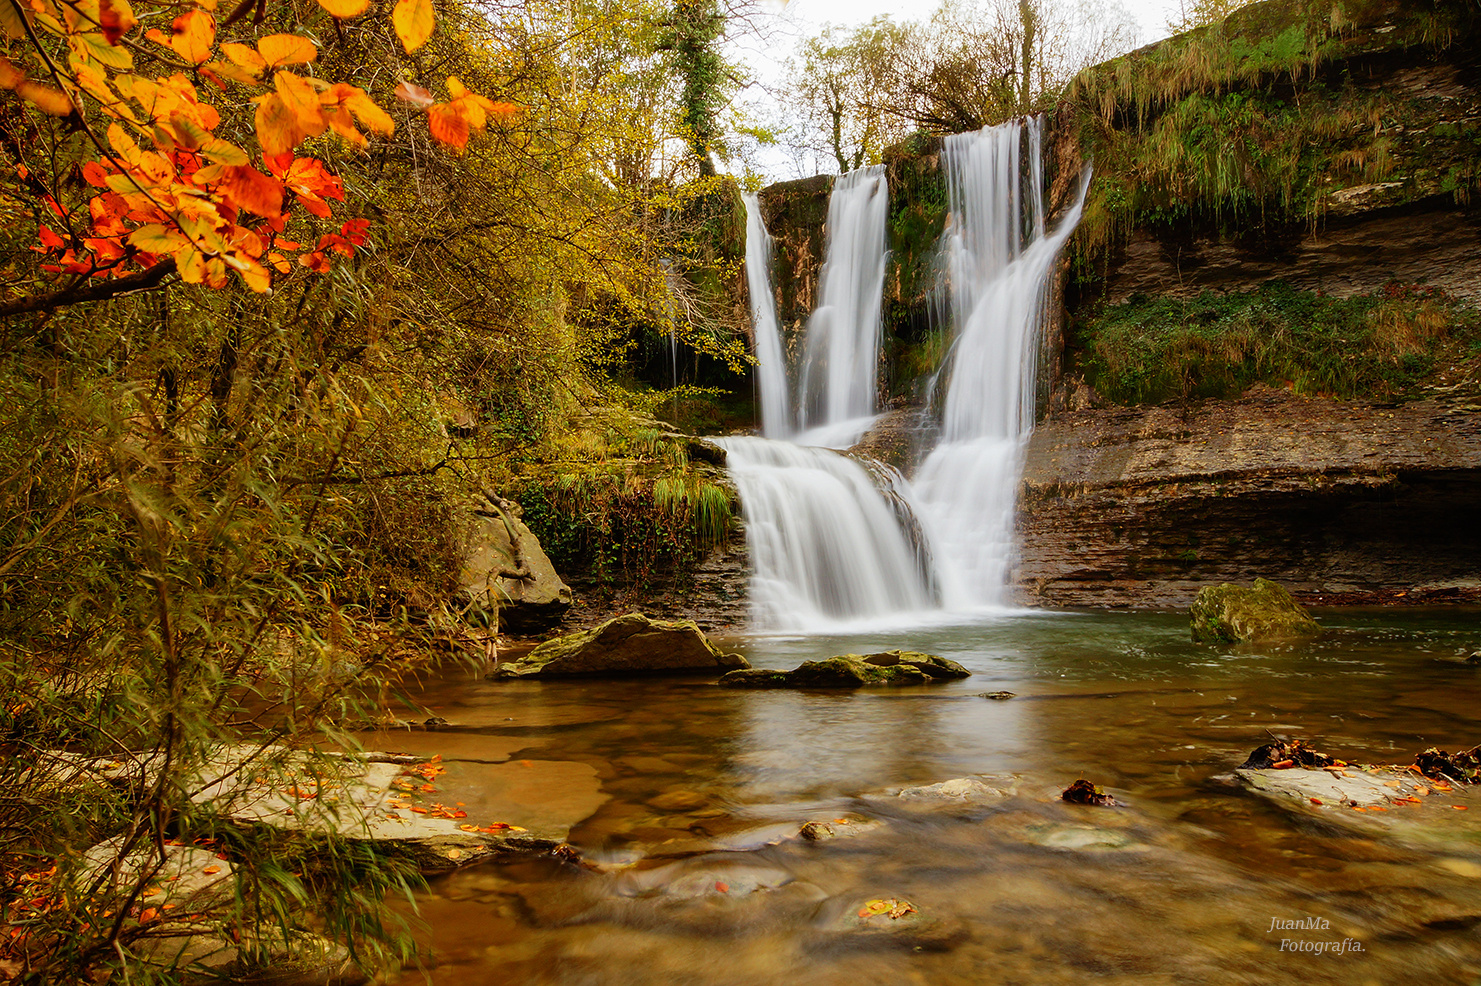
x=689, y=798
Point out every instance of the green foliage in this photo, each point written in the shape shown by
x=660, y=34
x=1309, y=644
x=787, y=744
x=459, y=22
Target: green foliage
x=625, y=503
x=1155, y=349
x=1244, y=123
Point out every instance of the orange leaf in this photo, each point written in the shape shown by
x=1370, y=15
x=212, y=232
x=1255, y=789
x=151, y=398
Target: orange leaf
x=724, y=888
x=1459, y=807
x=410, y=92
x=211, y=870
x=148, y=914
x=287, y=49
x=10, y=76
x=278, y=129
x=194, y=31
x=344, y=8
x=45, y=98
x=116, y=19
x=413, y=21
x=1316, y=801
x=448, y=125
x=254, y=191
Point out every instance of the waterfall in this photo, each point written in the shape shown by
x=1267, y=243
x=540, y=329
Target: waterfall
x=999, y=258
x=771, y=365
x=840, y=368
x=829, y=544
x=826, y=547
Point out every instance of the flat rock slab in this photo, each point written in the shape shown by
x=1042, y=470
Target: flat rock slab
x=442, y=814
x=1335, y=788
x=1390, y=801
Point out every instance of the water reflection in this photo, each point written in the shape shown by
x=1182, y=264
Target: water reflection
x=696, y=783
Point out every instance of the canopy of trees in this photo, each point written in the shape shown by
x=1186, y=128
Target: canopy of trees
x=973, y=63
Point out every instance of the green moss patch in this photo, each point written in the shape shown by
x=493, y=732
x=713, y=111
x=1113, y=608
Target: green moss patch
x=1154, y=349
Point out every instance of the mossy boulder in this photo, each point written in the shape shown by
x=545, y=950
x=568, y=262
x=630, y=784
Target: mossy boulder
x=1231, y=613
x=629, y=644
x=852, y=671
x=929, y=664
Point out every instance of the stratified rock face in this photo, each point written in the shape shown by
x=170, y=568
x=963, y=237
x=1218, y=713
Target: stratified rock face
x=1231, y=613
x=852, y=671
x=506, y=571
x=1340, y=502
x=626, y=645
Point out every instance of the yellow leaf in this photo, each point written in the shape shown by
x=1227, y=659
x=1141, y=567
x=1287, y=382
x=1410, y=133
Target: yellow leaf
x=344, y=8
x=245, y=56
x=155, y=238
x=236, y=73
x=286, y=49
x=93, y=46
x=116, y=18
x=278, y=129
x=256, y=277
x=455, y=87
x=413, y=21
x=11, y=23
x=194, y=31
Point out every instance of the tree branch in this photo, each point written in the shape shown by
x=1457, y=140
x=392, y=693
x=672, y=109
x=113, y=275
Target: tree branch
x=98, y=291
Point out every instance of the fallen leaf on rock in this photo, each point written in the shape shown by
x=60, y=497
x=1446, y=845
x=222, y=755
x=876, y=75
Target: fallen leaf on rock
x=893, y=908
x=724, y=888
x=211, y=870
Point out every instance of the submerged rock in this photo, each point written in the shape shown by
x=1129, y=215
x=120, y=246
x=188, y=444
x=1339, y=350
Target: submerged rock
x=969, y=790
x=852, y=671
x=1231, y=613
x=626, y=645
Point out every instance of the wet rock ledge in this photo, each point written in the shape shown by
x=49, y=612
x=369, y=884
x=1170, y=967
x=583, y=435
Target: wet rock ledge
x=1341, y=502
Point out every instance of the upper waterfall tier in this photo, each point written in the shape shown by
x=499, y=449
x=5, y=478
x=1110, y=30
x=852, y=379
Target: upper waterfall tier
x=771, y=364
x=840, y=370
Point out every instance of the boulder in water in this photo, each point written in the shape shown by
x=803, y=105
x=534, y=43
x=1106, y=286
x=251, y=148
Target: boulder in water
x=848, y=671
x=629, y=644
x=1231, y=613
x=931, y=665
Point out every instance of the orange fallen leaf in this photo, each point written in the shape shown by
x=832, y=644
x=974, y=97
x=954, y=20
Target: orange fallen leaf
x=148, y=914
x=210, y=870
x=1316, y=801
x=724, y=888
x=1459, y=807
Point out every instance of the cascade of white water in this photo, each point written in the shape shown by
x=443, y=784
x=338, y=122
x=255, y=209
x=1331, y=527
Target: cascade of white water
x=826, y=547
x=771, y=366
x=1000, y=258
x=841, y=360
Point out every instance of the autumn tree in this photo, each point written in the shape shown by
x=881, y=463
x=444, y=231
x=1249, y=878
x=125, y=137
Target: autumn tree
x=839, y=80
x=255, y=260
x=973, y=63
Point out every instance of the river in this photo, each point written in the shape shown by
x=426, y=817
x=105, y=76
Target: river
x=696, y=874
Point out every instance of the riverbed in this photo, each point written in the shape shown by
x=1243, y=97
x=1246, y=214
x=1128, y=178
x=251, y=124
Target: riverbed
x=686, y=800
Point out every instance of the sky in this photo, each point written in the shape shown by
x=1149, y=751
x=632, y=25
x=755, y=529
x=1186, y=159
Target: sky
x=802, y=18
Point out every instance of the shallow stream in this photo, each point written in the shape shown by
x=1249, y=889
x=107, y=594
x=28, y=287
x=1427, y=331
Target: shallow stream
x=686, y=800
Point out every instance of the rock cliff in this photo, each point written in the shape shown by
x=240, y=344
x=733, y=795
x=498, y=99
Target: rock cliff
x=1341, y=502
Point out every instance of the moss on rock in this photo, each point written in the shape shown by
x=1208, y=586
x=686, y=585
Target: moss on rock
x=629, y=644
x=1231, y=613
